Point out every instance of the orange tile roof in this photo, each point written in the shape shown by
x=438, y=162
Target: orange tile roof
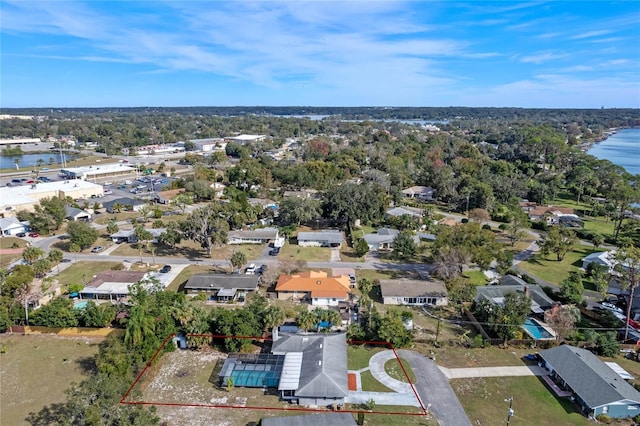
x=316, y=282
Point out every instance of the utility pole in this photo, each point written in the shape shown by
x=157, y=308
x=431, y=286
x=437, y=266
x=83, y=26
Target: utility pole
x=510, y=411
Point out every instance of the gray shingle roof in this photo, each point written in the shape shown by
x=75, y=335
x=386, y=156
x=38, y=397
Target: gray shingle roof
x=591, y=379
x=220, y=281
x=331, y=236
x=412, y=288
x=324, y=363
x=318, y=419
x=511, y=284
x=260, y=233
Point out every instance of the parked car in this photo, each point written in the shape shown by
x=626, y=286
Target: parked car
x=15, y=180
x=107, y=184
x=34, y=235
x=44, y=179
x=274, y=252
x=165, y=269
x=251, y=269
x=97, y=249
x=108, y=192
x=31, y=181
x=21, y=234
x=66, y=260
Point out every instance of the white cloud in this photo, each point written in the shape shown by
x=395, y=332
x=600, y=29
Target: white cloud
x=543, y=57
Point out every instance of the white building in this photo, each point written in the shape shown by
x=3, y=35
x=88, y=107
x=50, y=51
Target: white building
x=209, y=145
x=98, y=171
x=242, y=139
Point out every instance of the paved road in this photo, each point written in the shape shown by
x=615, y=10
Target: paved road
x=434, y=388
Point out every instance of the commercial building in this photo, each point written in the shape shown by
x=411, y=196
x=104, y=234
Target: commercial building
x=25, y=197
x=97, y=172
x=242, y=139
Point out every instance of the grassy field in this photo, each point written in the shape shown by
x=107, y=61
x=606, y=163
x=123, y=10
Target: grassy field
x=549, y=269
x=392, y=368
x=483, y=399
x=10, y=242
x=492, y=356
x=36, y=370
x=74, y=274
x=105, y=218
x=295, y=252
x=599, y=225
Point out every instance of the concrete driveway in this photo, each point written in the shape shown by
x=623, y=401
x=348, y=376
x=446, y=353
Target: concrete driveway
x=434, y=389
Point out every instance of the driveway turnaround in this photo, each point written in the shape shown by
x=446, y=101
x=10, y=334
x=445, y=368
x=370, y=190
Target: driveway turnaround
x=434, y=390
x=376, y=366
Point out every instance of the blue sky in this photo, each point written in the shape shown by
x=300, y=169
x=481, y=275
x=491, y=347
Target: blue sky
x=558, y=54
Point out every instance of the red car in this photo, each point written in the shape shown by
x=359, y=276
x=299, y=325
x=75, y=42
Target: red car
x=31, y=181
x=34, y=235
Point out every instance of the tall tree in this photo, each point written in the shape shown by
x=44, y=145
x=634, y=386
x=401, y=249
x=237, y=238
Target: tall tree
x=559, y=240
x=627, y=270
x=31, y=254
x=82, y=234
x=299, y=210
x=238, y=259
x=207, y=226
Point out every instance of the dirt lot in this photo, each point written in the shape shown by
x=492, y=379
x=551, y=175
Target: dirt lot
x=36, y=370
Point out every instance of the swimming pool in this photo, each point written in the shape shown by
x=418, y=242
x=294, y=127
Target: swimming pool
x=535, y=330
x=80, y=305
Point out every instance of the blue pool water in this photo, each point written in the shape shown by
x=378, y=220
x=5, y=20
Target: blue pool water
x=535, y=330
x=80, y=305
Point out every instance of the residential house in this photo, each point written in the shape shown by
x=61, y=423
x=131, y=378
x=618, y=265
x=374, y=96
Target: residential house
x=218, y=189
x=549, y=214
x=310, y=369
x=265, y=203
x=129, y=235
x=540, y=302
x=413, y=292
x=324, y=238
x=424, y=193
x=222, y=287
x=126, y=203
x=74, y=214
x=253, y=236
x=527, y=205
x=591, y=383
x=303, y=193
x=383, y=239
x=409, y=211
x=316, y=419
x=11, y=226
x=315, y=286
x=111, y=285
x=604, y=258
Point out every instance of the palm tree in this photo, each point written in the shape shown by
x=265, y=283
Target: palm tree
x=273, y=317
x=140, y=326
x=32, y=254
x=307, y=320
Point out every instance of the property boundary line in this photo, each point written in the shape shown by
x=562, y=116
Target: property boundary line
x=149, y=363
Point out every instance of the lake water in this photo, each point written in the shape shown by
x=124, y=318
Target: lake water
x=28, y=161
x=622, y=149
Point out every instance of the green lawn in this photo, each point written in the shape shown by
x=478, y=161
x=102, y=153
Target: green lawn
x=370, y=384
x=392, y=368
x=358, y=355
x=549, y=269
x=74, y=274
x=313, y=254
x=599, y=225
x=492, y=356
x=483, y=399
x=476, y=277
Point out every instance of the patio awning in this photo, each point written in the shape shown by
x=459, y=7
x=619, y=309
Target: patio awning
x=227, y=292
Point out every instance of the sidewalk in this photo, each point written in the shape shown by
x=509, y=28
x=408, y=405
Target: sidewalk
x=511, y=371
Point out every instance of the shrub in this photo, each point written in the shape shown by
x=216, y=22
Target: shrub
x=477, y=341
x=464, y=220
x=502, y=227
x=528, y=279
x=603, y=418
x=486, y=226
x=201, y=296
x=117, y=267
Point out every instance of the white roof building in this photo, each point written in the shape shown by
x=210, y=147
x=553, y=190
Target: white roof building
x=246, y=138
x=93, y=172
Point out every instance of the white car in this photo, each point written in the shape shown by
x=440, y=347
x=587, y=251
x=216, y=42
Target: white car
x=251, y=269
x=107, y=184
x=108, y=191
